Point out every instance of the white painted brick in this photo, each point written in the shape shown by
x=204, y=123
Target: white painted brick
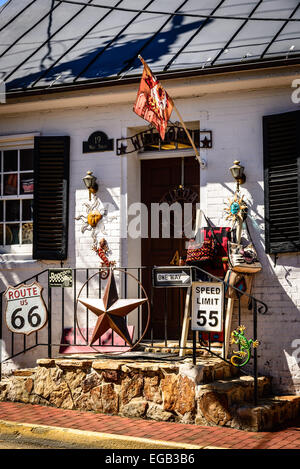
x=235, y=119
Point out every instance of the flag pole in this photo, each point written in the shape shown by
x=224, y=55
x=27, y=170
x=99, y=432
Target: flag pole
x=188, y=134
x=202, y=163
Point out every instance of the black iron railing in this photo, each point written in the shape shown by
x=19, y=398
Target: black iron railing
x=62, y=308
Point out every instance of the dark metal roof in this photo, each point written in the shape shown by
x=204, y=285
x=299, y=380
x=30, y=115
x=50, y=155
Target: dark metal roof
x=50, y=43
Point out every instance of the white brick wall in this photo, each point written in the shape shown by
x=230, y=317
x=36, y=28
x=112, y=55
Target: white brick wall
x=236, y=121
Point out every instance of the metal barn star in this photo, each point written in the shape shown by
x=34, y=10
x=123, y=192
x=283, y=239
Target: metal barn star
x=111, y=311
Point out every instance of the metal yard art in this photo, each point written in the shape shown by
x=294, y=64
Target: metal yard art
x=112, y=310
x=241, y=357
x=94, y=214
x=102, y=250
x=237, y=208
x=93, y=221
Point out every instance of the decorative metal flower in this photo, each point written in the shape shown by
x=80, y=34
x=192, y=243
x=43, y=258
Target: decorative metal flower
x=237, y=208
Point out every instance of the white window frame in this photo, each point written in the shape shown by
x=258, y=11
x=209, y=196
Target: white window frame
x=16, y=142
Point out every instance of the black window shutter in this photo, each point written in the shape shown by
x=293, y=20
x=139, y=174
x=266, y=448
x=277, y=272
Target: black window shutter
x=51, y=197
x=282, y=182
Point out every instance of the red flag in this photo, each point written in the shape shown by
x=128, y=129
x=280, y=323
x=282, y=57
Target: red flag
x=153, y=102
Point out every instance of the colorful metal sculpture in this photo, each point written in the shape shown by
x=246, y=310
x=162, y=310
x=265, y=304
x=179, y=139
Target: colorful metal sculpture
x=102, y=250
x=241, y=357
x=237, y=208
x=94, y=215
x=93, y=221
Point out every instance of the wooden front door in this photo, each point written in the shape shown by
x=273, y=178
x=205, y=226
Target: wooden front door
x=160, y=180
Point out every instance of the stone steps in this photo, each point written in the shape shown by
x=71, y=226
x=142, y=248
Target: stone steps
x=210, y=393
x=173, y=347
x=269, y=414
x=237, y=390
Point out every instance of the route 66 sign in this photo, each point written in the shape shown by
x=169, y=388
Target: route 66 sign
x=25, y=308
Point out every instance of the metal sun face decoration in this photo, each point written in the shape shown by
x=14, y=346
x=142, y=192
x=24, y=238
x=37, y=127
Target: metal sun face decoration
x=94, y=215
x=236, y=209
x=112, y=311
x=93, y=221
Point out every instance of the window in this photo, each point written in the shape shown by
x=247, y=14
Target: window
x=34, y=195
x=16, y=185
x=282, y=182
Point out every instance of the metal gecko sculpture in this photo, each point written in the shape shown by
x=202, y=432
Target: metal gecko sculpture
x=241, y=357
x=102, y=250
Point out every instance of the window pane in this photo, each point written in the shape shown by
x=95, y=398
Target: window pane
x=27, y=210
x=10, y=184
x=12, y=210
x=12, y=233
x=27, y=233
x=26, y=183
x=1, y=235
x=26, y=160
x=10, y=160
x=1, y=210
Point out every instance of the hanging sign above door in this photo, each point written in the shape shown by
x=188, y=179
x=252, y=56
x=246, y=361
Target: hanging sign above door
x=25, y=308
x=175, y=139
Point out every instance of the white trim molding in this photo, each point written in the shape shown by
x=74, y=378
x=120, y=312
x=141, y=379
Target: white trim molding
x=18, y=140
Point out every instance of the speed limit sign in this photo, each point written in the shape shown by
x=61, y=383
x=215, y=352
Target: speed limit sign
x=207, y=306
x=25, y=308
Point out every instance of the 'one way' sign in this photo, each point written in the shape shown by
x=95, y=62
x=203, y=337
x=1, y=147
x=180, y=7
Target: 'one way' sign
x=171, y=277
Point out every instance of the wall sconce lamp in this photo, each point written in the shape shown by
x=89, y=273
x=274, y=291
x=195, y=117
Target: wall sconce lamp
x=90, y=183
x=237, y=172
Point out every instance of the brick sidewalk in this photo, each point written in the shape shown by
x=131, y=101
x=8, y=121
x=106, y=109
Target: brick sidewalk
x=288, y=438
